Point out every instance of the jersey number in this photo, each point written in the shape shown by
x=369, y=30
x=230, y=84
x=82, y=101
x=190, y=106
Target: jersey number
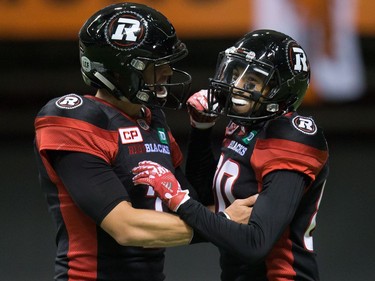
x=226, y=175
x=308, y=239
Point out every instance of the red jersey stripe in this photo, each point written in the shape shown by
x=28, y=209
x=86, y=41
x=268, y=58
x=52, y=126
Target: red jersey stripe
x=277, y=154
x=52, y=133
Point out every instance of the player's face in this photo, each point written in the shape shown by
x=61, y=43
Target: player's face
x=242, y=101
x=157, y=75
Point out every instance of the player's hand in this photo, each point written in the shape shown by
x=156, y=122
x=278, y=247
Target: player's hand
x=162, y=181
x=241, y=209
x=198, y=110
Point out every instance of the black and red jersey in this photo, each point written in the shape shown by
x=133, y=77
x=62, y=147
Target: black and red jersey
x=89, y=126
x=285, y=160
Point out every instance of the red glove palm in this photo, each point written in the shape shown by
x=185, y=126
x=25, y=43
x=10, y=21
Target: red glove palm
x=198, y=110
x=162, y=181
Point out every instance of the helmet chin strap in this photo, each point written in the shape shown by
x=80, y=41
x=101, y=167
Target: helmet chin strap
x=113, y=89
x=105, y=81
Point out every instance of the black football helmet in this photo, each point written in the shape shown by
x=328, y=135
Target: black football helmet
x=118, y=42
x=276, y=60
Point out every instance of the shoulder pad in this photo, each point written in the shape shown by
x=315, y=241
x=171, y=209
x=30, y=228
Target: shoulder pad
x=296, y=128
x=76, y=107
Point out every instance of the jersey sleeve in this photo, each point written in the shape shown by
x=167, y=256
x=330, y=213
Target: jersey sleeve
x=274, y=154
x=90, y=181
x=287, y=148
x=201, y=164
x=253, y=241
x=181, y=178
x=69, y=134
x=75, y=149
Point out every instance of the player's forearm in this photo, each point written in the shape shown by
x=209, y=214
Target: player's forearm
x=251, y=242
x=157, y=229
x=138, y=227
x=241, y=240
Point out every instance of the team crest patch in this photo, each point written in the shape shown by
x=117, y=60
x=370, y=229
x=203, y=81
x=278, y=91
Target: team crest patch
x=70, y=101
x=305, y=125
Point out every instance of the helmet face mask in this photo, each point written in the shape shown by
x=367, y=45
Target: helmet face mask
x=169, y=92
x=265, y=74
x=120, y=41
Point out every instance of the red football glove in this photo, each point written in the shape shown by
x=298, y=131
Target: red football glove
x=198, y=110
x=162, y=181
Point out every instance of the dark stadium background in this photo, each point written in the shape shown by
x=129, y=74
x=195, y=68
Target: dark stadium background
x=33, y=71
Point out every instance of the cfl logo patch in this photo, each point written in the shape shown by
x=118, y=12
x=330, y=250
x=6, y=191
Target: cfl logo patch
x=126, y=30
x=130, y=135
x=305, y=125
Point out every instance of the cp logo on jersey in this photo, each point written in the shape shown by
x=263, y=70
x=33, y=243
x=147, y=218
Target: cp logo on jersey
x=126, y=30
x=305, y=125
x=130, y=135
x=70, y=101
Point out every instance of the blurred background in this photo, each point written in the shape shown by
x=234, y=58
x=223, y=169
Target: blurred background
x=39, y=61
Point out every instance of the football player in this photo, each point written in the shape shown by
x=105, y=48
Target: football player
x=268, y=149
x=87, y=145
